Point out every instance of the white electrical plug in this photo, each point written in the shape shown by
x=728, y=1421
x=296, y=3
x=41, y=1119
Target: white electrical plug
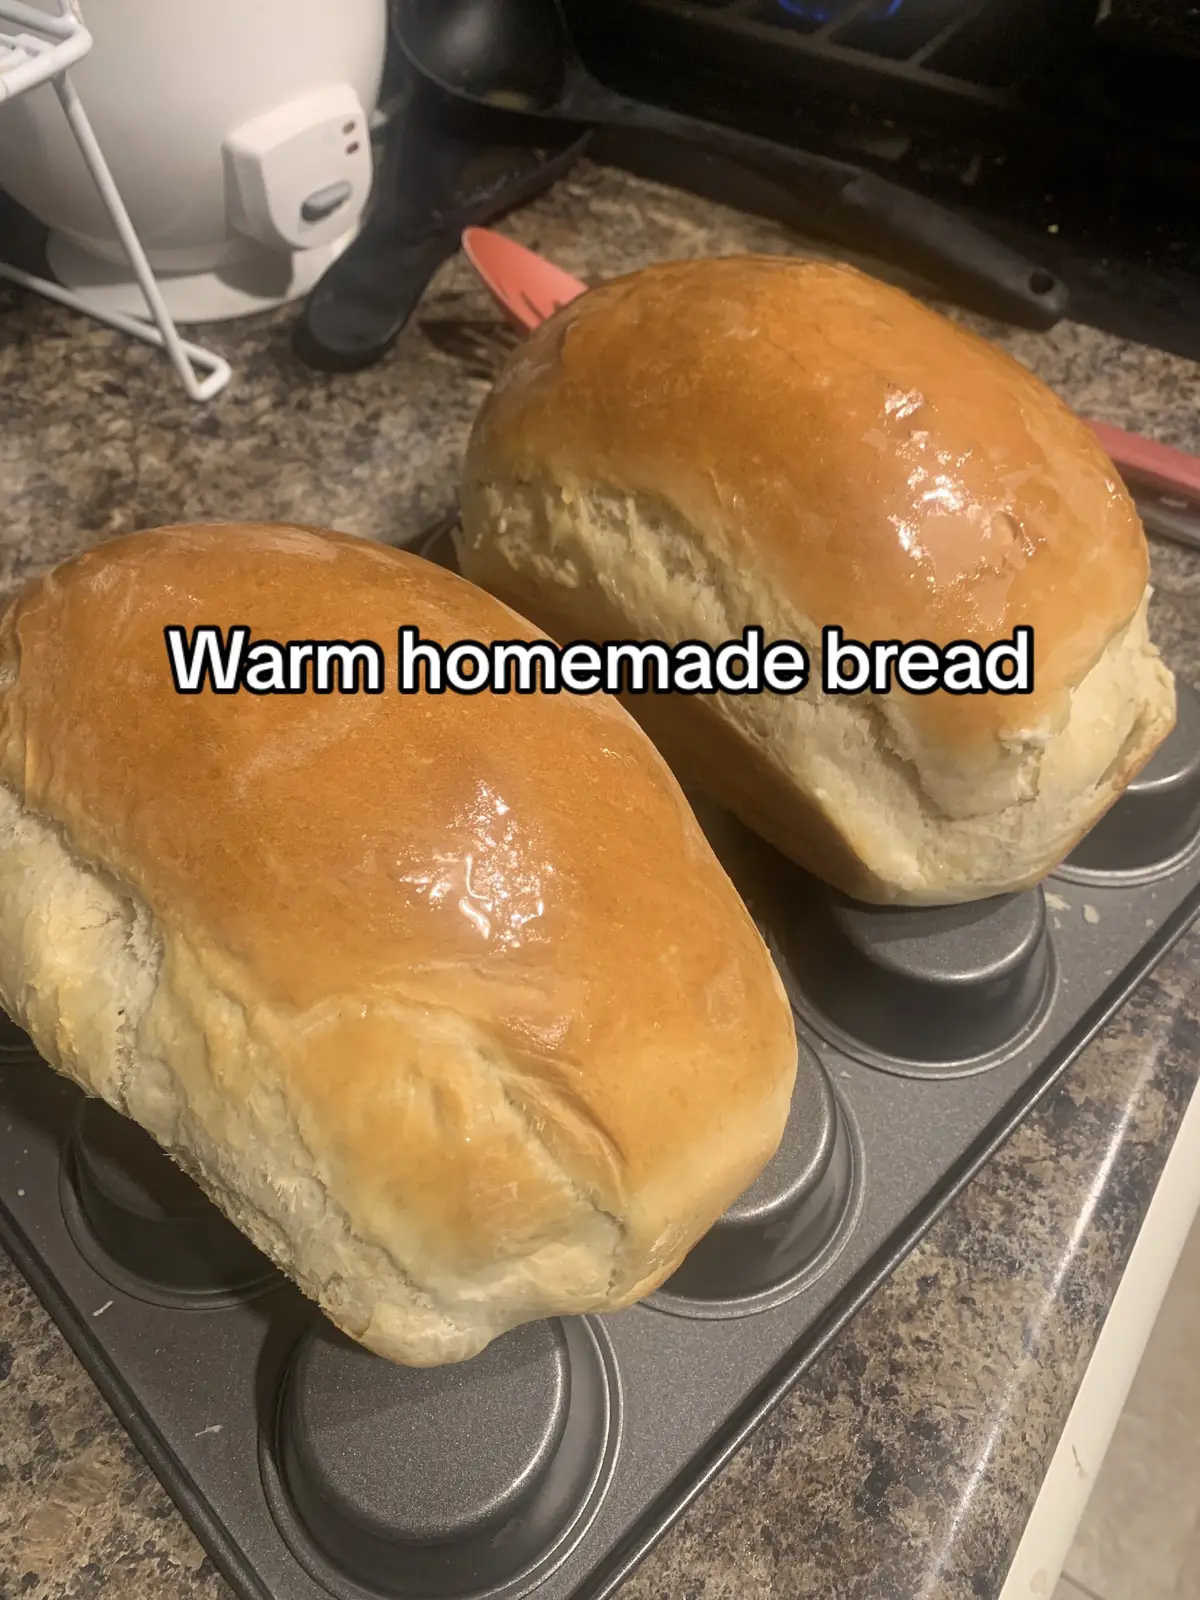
x=299, y=175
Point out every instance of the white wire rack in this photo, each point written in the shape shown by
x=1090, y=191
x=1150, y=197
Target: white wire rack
x=42, y=49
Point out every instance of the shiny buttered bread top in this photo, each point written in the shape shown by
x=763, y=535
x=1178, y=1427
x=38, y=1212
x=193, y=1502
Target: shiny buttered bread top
x=712, y=445
x=443, y=998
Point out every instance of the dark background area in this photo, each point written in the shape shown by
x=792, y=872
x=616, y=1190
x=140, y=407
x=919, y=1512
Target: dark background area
x=1072, y=136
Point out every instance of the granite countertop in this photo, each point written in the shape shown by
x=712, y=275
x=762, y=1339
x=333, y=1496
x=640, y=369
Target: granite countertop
x=907, y=1460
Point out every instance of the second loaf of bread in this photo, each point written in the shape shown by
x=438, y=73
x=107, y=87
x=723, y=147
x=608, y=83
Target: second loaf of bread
x=708, y=445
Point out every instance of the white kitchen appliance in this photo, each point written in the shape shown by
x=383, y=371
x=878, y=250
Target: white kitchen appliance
x=236, y=134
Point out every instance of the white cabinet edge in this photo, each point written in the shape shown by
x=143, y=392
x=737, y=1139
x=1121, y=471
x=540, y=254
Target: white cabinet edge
x=1066, y=1489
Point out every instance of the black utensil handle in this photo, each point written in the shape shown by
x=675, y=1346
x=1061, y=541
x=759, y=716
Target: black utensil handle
x=416, y=542
x=858, y=208
x=950, y=251
x=1176, y=523
x=441, y=168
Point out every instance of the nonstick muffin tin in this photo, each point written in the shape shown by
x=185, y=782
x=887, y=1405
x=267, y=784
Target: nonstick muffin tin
x=310, y=1468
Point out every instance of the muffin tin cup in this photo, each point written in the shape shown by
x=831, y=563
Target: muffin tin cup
x=443, y=1483
x=145, y=1226
x=777, y=1239
x=942, y=992
x=1153, y=830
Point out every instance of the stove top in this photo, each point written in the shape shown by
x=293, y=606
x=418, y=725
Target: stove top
x=1077, y=140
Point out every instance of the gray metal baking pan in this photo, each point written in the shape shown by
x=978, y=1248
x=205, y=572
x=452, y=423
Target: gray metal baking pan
x=551, y=1463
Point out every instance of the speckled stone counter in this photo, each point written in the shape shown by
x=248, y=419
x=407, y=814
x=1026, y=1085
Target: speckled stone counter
x=907, y=1460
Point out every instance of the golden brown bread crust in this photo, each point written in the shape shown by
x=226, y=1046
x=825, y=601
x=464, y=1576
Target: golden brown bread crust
x=470, y=956
x=792, y=444
x=904, y=477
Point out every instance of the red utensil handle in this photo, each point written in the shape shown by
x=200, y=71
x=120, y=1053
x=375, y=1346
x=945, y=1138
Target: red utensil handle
x=1149, y=463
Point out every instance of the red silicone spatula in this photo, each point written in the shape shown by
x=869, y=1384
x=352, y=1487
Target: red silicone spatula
x=526, y=286
x=528, y=289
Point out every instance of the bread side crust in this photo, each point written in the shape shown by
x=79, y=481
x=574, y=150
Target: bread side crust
x=843, y=785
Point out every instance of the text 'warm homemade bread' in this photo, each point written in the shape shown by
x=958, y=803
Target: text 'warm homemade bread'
x=443, y=999
x=709, y=445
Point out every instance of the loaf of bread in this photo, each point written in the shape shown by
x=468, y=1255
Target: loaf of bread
x=709, y=445
x=443, y=999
